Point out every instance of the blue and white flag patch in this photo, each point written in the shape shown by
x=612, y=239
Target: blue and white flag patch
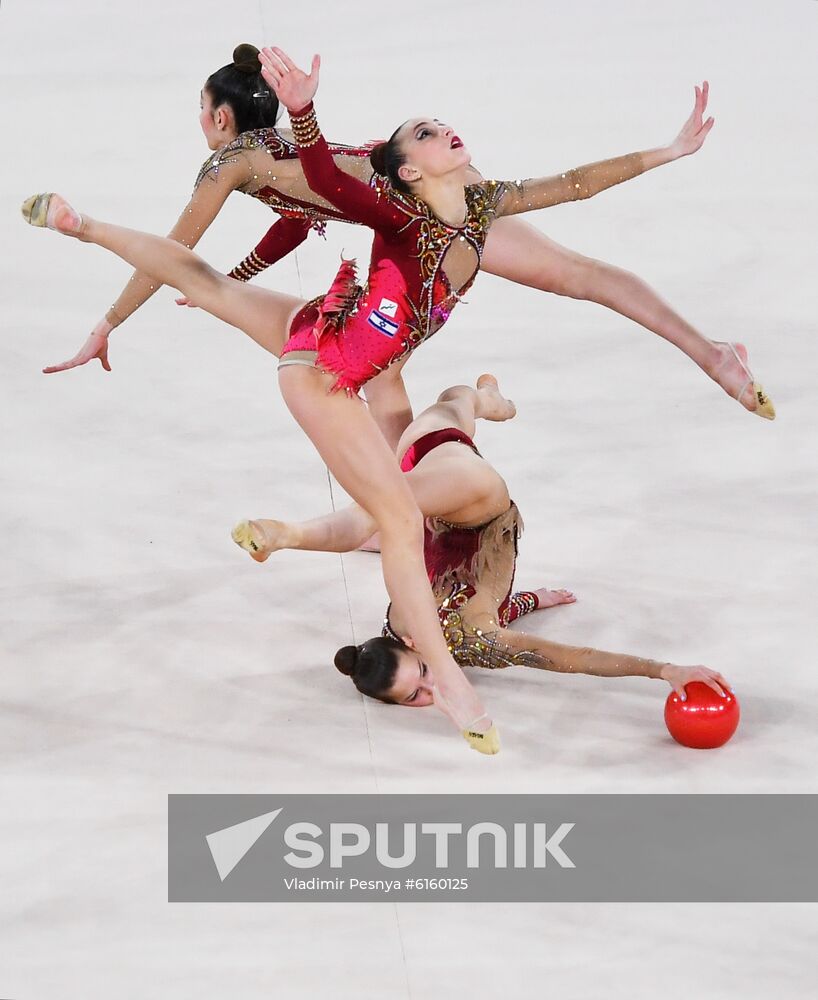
x=383, y=323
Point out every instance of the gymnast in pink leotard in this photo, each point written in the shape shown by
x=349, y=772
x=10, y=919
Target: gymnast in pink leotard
x=252, y=155
x=427, y=249
x=426, y=252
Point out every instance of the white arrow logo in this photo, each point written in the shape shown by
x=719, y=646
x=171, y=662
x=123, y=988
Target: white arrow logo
x=228, y=846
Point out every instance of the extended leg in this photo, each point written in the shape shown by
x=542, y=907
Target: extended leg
x=517, y=251
x=460, y=406
x=438, y=490
x=341, y=531
x=389, y=403
x=262, y=314
x=357, y=454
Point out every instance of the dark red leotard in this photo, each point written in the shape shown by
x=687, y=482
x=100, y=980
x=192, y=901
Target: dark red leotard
x=252, y=158
x=455, y=556
x=419, y=268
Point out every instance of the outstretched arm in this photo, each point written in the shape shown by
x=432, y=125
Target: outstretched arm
x=279, y=240
x=296, y=89
x=587, y=181
x=549, y=655
x=206, y=202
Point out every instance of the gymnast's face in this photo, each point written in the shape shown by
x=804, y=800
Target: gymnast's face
x=413, y=684
x=432, y=149
x=217, y=123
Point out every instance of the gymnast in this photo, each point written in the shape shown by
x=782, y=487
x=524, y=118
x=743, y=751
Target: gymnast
x=238, y=116
x=430, y=229
x=471, y=532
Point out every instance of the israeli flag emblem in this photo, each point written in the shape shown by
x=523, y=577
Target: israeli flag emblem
x=383, y=323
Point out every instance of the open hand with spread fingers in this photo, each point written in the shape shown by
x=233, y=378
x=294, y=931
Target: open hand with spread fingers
x=292, y=86
x=677, y=677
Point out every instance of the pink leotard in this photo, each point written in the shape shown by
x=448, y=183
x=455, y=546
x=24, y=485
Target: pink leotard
x=419, y=269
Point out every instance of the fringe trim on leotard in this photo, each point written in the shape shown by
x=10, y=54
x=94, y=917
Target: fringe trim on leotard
x=497, y=538
x=342, y=295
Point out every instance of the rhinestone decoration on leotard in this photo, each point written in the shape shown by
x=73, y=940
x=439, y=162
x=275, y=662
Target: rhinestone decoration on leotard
x=435, y=238
x=305, y=128
x=523, y=604
x=273, y=142
x=471, y=646
x=248, y=268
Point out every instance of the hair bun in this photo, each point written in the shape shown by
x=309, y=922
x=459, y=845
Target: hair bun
x=377, y=157
x=245, y=58
x=346, y=660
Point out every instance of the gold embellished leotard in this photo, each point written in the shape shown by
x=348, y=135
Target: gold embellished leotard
x=471, y=571
x=264, y=164
x=420, y=266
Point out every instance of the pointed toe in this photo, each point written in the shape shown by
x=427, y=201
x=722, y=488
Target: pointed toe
x=764, y=405
x=35, y=209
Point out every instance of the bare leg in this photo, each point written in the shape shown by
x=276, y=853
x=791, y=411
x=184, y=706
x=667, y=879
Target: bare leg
x=341, y=531
x=517, y=251
x=389, y=402
x=460, y=406
x=357, y=454
x=389, y=405
x=262, y=314
x=450, y=486
x=436, y=493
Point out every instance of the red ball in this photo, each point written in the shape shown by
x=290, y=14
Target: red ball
x=705, y=720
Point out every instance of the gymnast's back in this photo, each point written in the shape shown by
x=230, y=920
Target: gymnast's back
x=264, y=164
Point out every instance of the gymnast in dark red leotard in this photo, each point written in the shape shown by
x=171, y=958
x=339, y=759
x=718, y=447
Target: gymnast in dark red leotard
x=472, y=531
x=457, y=557
x=426, y=252
x=430, y=231
x=252, y=155
x=429, y=239
x=420, y=265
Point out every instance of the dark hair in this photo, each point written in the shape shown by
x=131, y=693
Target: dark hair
x=241, y=86
x=372, y=665
x=387, y=158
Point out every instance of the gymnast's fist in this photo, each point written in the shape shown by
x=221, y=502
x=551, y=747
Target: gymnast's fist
x=292, y=86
